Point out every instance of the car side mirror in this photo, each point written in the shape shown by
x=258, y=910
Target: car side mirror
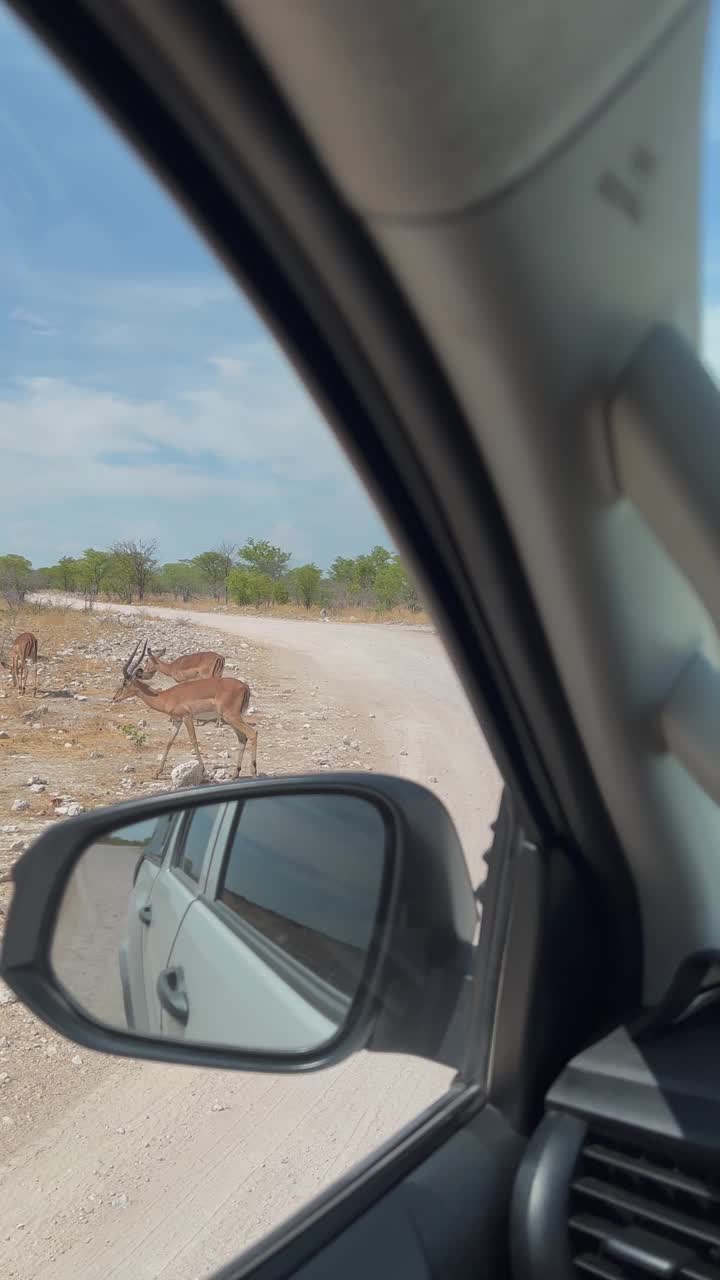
x=274, y=925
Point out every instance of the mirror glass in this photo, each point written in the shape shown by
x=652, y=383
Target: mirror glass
x=245, y=924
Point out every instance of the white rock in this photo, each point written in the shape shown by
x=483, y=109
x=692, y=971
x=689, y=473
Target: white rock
x=70, y=809
x=35, y=777
x=37, y=787
x=4, y=735
x=187, y=774
x=19, y=806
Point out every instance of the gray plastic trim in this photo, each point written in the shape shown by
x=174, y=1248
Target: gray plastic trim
x=664, y=422
x=691, y=724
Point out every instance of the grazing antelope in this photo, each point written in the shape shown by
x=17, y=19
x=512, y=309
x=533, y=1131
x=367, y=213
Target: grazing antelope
x=24, y=651
x=204, y=665
x=224, y=701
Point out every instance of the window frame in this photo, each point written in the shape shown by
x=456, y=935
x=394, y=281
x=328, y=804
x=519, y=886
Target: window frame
x=197, y=887
x=261, y=197
x=325, y=997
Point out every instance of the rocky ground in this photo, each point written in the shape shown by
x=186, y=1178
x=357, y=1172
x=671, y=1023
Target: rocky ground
x=71, y=749
x=115, y=1167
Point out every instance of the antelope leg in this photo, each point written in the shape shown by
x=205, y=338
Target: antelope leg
x=193, y=738
x=176, y=727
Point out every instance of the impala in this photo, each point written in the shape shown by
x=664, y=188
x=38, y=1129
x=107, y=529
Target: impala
x=192, y=666
x=224, y=701
x=24, y=651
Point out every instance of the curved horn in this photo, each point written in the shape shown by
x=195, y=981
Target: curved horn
x=128, y=664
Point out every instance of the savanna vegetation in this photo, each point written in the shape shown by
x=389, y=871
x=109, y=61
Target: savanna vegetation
x=255, y=575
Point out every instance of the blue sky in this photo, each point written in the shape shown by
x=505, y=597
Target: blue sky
x=139, y=394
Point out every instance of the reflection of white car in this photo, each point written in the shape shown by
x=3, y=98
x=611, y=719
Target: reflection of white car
x=238, y=935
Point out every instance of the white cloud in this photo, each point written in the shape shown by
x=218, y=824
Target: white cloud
x=65, y=440
x=31, y=320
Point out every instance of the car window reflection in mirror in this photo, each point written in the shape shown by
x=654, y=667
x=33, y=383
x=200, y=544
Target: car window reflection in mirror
x=245, y=924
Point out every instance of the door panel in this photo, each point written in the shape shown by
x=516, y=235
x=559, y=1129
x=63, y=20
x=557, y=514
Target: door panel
x=174, y=889
x=447, y=1218
x=233, y=996
x=169, y=900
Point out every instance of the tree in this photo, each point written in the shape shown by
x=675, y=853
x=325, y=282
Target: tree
x=263, y=557
x=306, y=583
x=119, y=580
x=15, y=578
x=138, y=560
x=215, y=566
x=182, y=578
x=342, y=580
x=389, y=584
x=92, y=568
x=67, y=573
x=367, y=568
x=247, y=586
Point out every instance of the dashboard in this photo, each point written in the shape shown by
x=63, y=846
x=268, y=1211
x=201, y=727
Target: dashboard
x=621, y=1180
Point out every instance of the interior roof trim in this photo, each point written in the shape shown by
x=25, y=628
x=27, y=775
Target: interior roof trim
x=487, y=130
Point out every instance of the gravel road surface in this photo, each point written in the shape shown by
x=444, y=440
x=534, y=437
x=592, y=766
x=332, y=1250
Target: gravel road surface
x=160, y=1171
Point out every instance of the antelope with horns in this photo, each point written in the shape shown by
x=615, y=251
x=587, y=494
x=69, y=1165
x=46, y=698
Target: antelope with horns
x=222, y=700
x=204, y=665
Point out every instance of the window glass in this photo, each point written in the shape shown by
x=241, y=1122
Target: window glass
x=274, y=880
x=166, y=478
x=195, y=840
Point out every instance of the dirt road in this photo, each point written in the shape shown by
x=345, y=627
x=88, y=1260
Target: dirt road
x=398, y=675
x=160, y=1171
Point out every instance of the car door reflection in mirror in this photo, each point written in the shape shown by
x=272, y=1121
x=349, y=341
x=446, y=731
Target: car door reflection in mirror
x=245, y=924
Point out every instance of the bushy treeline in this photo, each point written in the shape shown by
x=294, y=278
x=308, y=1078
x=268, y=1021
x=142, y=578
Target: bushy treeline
x=256, y=573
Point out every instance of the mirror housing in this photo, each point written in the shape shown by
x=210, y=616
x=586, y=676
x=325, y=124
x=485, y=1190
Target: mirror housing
x=418, y=980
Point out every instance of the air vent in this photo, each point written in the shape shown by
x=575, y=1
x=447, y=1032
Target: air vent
x=632, y=1217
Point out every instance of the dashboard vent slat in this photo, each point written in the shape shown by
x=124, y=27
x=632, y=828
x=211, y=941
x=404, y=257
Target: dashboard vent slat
x=593, y=1264
x=672, y=1179
x=647, y=1210
x=633, y=1216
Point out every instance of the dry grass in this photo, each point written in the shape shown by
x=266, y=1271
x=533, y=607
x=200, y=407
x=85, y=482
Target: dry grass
x=205, y=604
